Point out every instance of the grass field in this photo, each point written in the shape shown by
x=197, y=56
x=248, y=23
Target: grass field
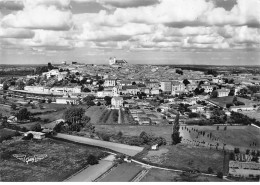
x=186, y=157
x=246, y=101
x=95, y=112
x=252, y=114
x=127, y=130
x=64, y=159
x=222, y=101
x=157, y=175
x=6, y=132
x=5, y=111
x=123, y=173
x=235, y=136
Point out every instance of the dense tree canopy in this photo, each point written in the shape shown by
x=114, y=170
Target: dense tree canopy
x=74, y=115
x=23, y=114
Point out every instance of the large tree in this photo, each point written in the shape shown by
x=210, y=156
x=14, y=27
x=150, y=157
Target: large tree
x=186, y=82
x=20, y=85
x=176, y=138
x=108, y=100
x=214, y=94
x=74, y=115
x=23, y=114
x=89, y=100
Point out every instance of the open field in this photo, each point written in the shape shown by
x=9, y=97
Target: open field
x=95, y=112
x=246, y=101
x=5, y=111
x=187, y=157
x=222, y=101
x=5, y=133
x=64, y=159
x=252, y=114
x=125, y=172
x=127, y=130
x=157, y=175
x=235, y=136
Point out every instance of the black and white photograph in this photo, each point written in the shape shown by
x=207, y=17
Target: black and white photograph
x=129, y=91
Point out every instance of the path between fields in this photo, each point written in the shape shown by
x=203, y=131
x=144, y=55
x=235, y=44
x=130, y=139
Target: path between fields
x=118, y=147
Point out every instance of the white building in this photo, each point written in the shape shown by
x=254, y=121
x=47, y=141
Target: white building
x=177, y=88
x=62, y=75
x=133, y=90
x=36, y=135
x=110, y=82
x=207, y=88
x=117, y=102
x=242, y=108
x=166, y=86
x=223, y=92
x=65, y=90
x=66, y=100
x=102, y=94
x=197, y=108
x=155, y=91
x=54, y=72
x=37, y=89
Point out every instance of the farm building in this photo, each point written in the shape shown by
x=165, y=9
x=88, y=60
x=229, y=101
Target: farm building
x=155, y=147
x=197, y=108
x=64, y=100
x=242, y=108
x=36, y=135
x=223, y=92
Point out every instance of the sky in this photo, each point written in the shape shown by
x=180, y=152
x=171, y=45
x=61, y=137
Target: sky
x=208, y=32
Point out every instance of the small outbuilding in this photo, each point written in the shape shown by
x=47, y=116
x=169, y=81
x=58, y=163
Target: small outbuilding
x=36, y=135
x=155, y=147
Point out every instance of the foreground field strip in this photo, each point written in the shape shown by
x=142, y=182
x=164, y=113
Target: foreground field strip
x=121, y=148
x=105, y=174
x=92, y=172
x=75, y=174
x=168, y=169
x=140, y=176
x=124, y=172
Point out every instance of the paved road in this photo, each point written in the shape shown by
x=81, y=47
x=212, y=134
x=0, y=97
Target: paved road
x=92, y=172
x=121, y=148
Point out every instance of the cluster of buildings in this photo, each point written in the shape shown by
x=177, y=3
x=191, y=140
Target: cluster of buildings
x=121, y=79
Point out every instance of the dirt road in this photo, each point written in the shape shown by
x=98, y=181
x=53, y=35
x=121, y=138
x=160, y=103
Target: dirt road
x=122, y=148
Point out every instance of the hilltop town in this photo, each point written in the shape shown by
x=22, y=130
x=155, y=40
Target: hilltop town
x=132, y=110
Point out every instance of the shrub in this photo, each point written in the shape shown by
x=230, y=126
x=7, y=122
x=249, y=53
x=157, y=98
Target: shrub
x=92, y=160
x=36, y=128
x=220, y=175
x=210, y=170
x=28, y=137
